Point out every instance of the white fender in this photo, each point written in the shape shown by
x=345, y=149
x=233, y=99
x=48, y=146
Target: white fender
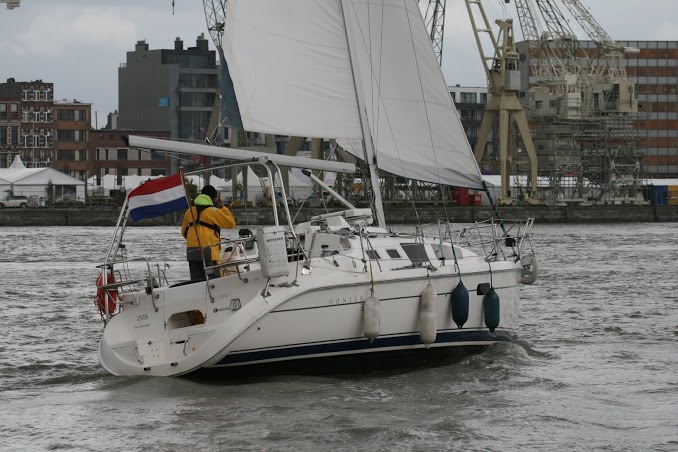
x=428, y=308
x=530, y=269
x=371, y=318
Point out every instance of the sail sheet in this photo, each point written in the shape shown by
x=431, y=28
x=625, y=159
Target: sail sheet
x=293, y=64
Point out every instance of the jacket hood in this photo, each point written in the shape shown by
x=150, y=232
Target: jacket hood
x=203, y=200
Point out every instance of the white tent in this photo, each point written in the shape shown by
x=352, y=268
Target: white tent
x=34, y=183
x=297, y=188
x=109, y=182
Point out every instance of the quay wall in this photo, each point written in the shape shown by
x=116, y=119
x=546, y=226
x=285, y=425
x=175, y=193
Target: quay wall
x=394, y=215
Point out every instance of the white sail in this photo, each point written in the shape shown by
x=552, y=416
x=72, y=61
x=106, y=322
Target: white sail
x=292, y=71
x=290, y=67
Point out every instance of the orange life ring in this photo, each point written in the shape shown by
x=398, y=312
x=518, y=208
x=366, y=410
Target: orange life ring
x=112, y=297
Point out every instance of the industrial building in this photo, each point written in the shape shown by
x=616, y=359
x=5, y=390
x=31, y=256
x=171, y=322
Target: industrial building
x=168, y=90
x=601, y=148
x=654, y=71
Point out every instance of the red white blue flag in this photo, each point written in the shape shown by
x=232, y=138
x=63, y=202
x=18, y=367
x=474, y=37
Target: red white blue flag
x=157, y=197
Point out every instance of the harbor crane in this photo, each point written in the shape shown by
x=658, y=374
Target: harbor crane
x=501, y=68
x=581, y=102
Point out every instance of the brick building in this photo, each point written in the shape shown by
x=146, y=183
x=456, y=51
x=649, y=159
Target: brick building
x=26, y=125
x=654, y=72
x=72, y=125
x=109, y=154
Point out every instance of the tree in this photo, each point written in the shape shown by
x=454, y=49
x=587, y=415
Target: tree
x=50, y=192
x=193, y=191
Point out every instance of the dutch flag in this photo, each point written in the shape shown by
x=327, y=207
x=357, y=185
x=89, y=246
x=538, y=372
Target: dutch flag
x=157, y=197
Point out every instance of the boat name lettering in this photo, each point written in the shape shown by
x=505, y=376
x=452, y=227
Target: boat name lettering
x=275, y=239
x=145, y=325
x=347, y=300
x=142, y=317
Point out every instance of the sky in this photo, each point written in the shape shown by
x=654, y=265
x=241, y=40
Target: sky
x=79, y=44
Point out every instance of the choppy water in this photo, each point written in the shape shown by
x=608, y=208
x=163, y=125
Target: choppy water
x=596, y=369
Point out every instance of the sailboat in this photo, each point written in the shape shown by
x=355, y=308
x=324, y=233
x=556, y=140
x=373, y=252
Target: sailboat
x=342, y=290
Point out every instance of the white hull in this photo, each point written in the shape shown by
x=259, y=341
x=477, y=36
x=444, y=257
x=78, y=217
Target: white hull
x=319, y=317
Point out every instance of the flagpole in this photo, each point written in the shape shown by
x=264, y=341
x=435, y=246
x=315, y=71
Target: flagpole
x=190, y=208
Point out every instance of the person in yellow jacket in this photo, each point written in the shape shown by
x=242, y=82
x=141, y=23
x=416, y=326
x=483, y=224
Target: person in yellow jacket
x=209, y=213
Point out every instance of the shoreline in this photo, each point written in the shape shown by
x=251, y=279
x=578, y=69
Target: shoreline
x=394, y=215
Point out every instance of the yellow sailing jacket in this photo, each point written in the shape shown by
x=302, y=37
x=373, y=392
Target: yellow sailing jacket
x=209, y=221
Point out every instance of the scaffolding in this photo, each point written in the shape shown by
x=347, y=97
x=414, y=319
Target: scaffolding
x=586, y=122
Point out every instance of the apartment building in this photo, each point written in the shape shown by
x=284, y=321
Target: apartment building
x=26, y=125
x=72, y=126
x=470, y=103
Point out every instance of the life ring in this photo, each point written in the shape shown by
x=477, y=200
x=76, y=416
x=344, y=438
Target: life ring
x=100, y=300
x=530, y=269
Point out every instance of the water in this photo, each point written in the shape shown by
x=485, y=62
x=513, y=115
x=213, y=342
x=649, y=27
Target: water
x=596, y=368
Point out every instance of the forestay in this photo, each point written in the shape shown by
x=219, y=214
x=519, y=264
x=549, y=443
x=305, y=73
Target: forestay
x=292, y=62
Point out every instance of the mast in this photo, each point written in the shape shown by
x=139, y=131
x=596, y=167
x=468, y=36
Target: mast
x=368, y=145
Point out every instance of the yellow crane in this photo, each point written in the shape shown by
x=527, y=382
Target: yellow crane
x=501, y=67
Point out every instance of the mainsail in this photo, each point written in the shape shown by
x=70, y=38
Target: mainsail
x=293, y=64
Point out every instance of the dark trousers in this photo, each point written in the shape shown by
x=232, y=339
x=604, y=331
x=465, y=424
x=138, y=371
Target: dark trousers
x=197, y=270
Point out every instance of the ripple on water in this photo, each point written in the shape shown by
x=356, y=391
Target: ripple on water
x=594, y=368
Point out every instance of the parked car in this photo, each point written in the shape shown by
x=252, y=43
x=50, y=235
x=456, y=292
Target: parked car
x=14, y=201
x=262, y=200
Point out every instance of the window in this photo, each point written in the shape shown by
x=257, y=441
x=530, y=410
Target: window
x=66, y=156
x=157, y=172
x=415, y=251
x=65, y=135
x=36, y=116
x=14, y=136
x=469, y=97
x=82, y=135
x=122, y=154
x=372, y=254
x=82, y=115
x=393, y=254
x=4, y=139
x=82, y=155
x=65, y=115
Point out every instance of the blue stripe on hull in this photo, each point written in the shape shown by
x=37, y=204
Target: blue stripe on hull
x=444, y=339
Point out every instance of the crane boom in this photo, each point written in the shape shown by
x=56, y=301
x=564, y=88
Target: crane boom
x=591, y=27
x=215, y=12
x=434, y=18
